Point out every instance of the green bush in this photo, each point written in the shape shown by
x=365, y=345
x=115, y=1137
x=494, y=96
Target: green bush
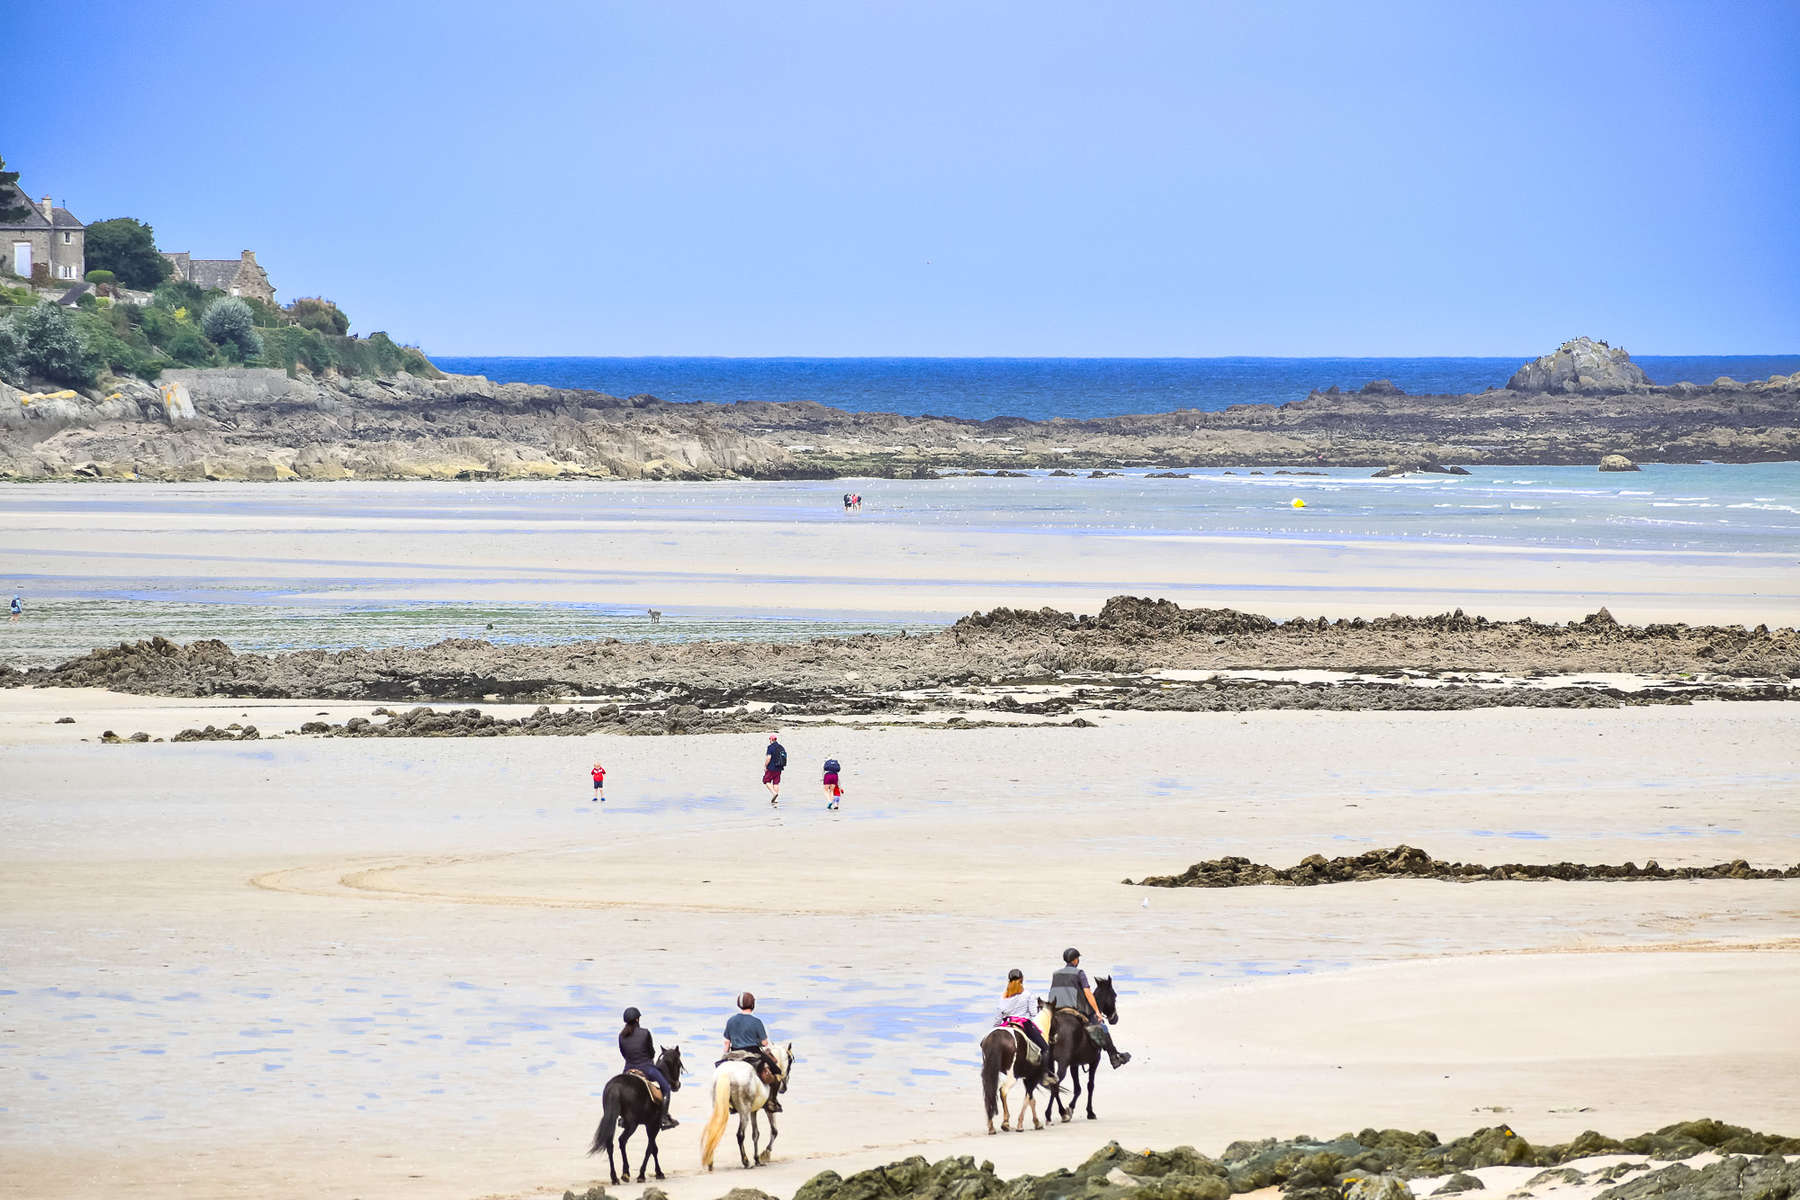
x=181, y=294
x=266, y=315
x=319, y=315
x=230, y=323
x=87, y=300
x=100, y=276
x=186, y=347
x=291, y=346
x=51, y=347
x=106, y=349
x=12, y=352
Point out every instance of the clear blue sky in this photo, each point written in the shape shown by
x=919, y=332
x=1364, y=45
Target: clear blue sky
x=1038, y=178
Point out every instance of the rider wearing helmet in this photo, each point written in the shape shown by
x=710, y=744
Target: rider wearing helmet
x=746, y=1038
x=1069, y=988
x=639, y=1049
x=1019, y=1011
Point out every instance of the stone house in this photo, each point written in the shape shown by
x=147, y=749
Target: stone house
x=48, y=242
x=241, y=276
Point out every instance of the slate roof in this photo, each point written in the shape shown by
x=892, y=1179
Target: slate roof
x=35, y=218
x=215, y=273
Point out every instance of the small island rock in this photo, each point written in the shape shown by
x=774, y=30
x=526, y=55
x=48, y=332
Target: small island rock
x=1582, y=365
x=1617, y=462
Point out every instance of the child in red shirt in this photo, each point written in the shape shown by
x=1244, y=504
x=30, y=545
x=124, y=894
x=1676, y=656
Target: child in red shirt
x=599, y=783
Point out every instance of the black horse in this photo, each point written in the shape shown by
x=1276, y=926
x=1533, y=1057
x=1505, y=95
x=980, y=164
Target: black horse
x=1072, y=1049
x=627, y=1099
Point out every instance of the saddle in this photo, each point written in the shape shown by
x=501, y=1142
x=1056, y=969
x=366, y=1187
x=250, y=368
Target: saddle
x=757, y=1062
x=656, y=1094
x=1028, y=1047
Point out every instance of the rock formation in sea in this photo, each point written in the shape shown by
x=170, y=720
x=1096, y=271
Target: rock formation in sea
x=1582, y=365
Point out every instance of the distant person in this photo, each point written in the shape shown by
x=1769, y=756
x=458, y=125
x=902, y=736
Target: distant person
x=856, y=499
x=846, y=501
x=599, y=774
x=833, y=793
x=18, y=607
x=1019, y=1011
x=774, y=762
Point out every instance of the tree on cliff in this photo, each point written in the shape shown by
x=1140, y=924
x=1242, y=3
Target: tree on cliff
x=127, y=248
x=10, y=209
x=319, y=315
x=229, y=322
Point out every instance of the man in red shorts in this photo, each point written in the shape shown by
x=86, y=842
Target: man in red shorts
x=773, y=763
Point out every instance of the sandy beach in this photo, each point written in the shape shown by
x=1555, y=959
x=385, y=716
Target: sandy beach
x=395, y=968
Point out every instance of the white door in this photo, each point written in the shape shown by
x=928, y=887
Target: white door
x=22, y=259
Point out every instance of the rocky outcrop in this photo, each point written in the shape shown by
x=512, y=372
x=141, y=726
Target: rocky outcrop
x=1617, y=462
x=1570, y=407
x=1375, y=1164
x=1420, y=466
x=1582, y=366
x=1409, y=862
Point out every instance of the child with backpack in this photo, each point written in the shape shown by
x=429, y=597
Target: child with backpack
x=834, y=794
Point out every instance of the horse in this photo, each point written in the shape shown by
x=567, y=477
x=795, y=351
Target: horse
x=627, y=1098
x=738, y=1087
x=1072, y=1049
x=1004, y=1062
x=655, y=616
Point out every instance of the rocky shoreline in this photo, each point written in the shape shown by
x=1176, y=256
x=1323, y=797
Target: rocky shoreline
x=1577, y=406
x=1134, y=655
x=1409, y=862
x=1369, y=1165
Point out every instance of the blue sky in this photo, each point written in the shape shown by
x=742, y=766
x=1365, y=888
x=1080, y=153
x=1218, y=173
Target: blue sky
x=961, y=178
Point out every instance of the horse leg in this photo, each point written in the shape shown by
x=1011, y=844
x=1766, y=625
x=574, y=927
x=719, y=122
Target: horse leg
x=742, y=1117
x=1074, y=1092
x=1092, y=1072
x=624, y=1150
x=756, y=1115
x=650, y=1128
x=612, y=1168
x=769, y=1150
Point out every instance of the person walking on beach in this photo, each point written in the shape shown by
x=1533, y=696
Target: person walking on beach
x=1069, y=988
x=833, y=793
x=639, y=1050
x=18, y=607
x=747, y=1039
x=774, y=762
x=599, y=774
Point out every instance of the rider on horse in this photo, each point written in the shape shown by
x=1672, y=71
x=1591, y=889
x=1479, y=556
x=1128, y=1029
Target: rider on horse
x=1069, y=988
x=639, y=1049
x=1019, y=1011
x=747, y=1040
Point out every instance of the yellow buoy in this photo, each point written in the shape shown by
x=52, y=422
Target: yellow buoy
x=1299, y=504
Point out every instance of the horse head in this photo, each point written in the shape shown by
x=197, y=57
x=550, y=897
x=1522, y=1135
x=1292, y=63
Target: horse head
x=787, y=1067
x=1107, y=998
x=670, y=1065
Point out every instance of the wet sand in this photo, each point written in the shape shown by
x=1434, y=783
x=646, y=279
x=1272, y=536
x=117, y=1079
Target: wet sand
x=699, y=551
x=395, y=968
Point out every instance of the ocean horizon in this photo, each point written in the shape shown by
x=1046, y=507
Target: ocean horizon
x=1042, y=388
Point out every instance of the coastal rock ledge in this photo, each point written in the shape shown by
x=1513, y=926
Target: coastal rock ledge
x=1583, y=365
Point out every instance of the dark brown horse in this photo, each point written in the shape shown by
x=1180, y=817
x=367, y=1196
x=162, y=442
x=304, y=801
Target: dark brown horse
x=627, y=1099
x=1071, y=1049
x=1004, y=1062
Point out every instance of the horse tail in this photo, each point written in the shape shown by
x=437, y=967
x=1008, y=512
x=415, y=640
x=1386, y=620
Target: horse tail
x=715, y=1127
x=990, y=1076
x=609, y=1119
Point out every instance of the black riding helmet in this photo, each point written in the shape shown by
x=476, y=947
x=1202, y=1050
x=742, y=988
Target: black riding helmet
x=1071, y=954
x=632, y=1016
x=1013, y=974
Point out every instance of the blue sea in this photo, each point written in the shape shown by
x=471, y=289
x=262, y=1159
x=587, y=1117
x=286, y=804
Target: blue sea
x=1040, y=388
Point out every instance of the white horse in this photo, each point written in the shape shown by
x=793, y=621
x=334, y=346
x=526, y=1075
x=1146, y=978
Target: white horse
x=738, y=1088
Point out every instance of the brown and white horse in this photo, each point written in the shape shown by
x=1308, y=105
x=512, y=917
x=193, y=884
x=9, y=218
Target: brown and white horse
x=1004, y=1063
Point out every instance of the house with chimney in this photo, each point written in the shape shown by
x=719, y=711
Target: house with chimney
x=241, y=276
x=47, y=244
